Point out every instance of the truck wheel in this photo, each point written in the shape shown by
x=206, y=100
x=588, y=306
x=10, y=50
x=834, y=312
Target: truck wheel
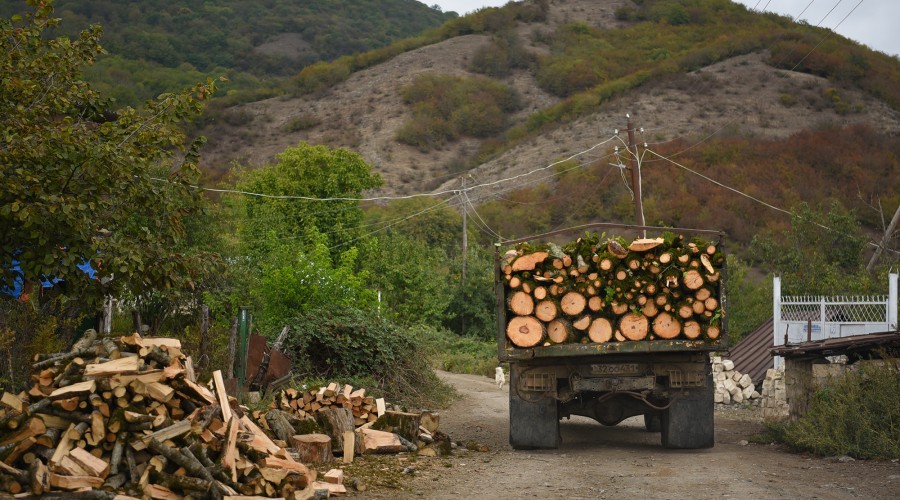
x=689, y=422
x=533, y=423
x=652, y=422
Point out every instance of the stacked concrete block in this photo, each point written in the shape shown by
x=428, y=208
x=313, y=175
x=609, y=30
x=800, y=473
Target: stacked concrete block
x=732, y=386
x=774, y=395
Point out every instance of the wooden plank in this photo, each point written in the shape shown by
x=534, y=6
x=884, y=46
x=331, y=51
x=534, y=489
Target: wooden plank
x=81, y=388
x=94, y=466
x=229, y=450
x=172, y=431
x=159, y=341
x=270, y=447
x=146, y=377
x=65, y=445
x=349, y=445
x=160, y=392
x=201, y=391
x=74, y=482
x=222, y=396
x=122, y=366
x=334, y=476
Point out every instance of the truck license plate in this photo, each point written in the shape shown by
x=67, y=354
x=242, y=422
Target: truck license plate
x=616, y=369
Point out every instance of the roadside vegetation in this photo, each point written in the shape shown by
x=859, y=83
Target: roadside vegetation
x=854, y=415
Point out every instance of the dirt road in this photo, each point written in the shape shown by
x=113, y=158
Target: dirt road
x=623, y=462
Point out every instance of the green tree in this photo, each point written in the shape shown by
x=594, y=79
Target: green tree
x=821, y=253
x=80, y=180
x=316, y=173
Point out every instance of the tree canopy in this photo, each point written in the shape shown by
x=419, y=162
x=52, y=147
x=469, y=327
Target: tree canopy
x=81, y=181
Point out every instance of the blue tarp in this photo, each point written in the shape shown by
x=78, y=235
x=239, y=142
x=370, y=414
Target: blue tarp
x=46, y=282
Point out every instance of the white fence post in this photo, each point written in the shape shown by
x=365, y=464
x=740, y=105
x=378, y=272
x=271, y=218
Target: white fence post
x=776, y=315
x=892, y=301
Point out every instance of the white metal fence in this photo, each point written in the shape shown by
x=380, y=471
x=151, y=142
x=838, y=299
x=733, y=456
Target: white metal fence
x=803, y=318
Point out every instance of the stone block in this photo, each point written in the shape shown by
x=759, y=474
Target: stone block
x=728, y=364
x=717, y=367
x=747, y=392
x=745, y=381
x=720, y=377
x=716, y=359
x=726, y=398
x=755, y=395
x=738, y=397
x=736, y=376
x=719, y=397
x=729, y=385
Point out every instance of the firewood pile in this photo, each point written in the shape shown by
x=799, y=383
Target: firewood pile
x=126, y=416
x=333, y=395
x=606, y=291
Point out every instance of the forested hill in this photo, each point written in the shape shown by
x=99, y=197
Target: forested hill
x=158, y=45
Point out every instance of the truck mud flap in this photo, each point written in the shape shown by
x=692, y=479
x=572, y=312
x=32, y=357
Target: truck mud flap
x=533, y=416
x=689, y=422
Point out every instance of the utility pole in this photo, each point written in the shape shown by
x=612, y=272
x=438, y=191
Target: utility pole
x=635, y=176
x=465, y=235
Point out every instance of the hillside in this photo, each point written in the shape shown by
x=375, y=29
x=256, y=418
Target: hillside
x=158, y=46
x=690, y=86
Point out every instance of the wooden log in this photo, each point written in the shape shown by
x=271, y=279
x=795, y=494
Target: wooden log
x=521, y=303
x=582, y=323
x=528, y=262
x=525, y=331
x=546, y=311
x=698, y=307
x=595, y=303
x=645, y=244
x=650, y=309
x=702, y=293
x=92, y=465
x=539, y=293
x=711, y=304
x=692, y=279
x=665, y=326
x=121, y=366
x=685, y=310
x=336, y=421
x=374, y=441
x=313, y=448
x=64, y=482
x=81, y=389
x=559, y=331
x=601, y=330
x=280, y=425
x=572, y=303
x=712, y=332
x=634, y=326
x=692, y=329
x=618, y=308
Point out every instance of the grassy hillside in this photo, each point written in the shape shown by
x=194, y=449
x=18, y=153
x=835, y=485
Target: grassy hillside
x=158, y=45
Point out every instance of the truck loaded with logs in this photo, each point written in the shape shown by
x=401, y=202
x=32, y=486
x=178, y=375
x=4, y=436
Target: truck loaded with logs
x=609, y=328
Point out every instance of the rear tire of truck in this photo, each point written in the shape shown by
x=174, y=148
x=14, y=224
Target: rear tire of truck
x=689, y=422
x=533, y=422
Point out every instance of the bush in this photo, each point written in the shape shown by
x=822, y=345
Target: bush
x=347, y=343
x=469, y=355
x=302, y=122
x=445, y=107
x=856, y=414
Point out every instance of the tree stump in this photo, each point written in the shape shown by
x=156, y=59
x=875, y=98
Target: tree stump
x=335, y=422
x=313, y=448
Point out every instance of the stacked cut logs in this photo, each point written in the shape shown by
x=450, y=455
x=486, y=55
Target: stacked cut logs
x=333, y=395
x=126, y=415
x=603, y=291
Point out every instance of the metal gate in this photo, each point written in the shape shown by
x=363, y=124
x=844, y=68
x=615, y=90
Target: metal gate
x=804, y=318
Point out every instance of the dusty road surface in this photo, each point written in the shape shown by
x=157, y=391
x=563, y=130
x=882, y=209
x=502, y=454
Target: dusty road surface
x=621, y=462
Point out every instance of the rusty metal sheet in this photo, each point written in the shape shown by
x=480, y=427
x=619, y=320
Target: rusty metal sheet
x=279, y=365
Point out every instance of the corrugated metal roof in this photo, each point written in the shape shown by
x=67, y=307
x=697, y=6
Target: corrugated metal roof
x=839, y=345
x=751, y=355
